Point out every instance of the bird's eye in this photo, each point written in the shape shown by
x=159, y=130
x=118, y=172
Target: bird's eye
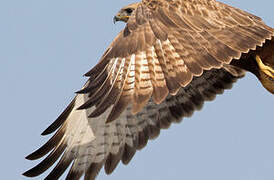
x=128, y=10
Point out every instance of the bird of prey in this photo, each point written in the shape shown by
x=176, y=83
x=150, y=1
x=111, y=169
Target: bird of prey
x=171, y=56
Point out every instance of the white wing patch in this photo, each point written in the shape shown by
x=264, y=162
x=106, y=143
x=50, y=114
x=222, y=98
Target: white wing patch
x=76, y=119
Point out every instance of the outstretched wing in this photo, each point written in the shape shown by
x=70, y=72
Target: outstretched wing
x=165, y=44
x=90, y=143
x=170, y=58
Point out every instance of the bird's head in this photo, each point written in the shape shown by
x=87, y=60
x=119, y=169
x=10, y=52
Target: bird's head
x=125, y=13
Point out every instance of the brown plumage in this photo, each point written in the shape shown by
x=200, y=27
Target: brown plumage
x=171, y=57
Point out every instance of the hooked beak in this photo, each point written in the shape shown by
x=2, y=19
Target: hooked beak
x=120, y=17
x=115, y=19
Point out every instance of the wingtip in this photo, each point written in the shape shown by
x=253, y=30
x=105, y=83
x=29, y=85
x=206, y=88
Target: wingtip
x=32, y=156
x=29, y=157
x=86, y=75
x=24, y=174
x=46, y=132
x=82, y=91
x=78, y=92
x=50, y=129
x=27, y=174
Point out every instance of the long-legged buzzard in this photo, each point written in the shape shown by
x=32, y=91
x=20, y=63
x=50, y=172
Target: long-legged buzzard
x=171, y=57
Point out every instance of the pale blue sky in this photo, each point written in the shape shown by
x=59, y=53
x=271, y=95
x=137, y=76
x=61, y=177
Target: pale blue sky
x=46, y=47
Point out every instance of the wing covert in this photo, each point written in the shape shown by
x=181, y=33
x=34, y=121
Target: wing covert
x=167, y=43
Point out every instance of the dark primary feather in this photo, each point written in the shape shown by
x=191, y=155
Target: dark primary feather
x=48, y=146
x=170, y=58
x=161, y=116
x=60, y=120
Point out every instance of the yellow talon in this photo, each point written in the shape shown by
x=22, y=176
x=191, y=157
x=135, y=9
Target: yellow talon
x=266, y=69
